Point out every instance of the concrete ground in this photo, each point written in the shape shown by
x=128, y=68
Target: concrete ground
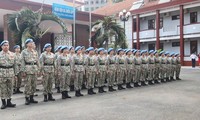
x=178, y=100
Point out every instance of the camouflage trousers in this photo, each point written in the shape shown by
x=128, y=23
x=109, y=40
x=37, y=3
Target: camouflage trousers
x=30, y=84
x=173, y=70
x=47, y=83
x=137, y=73
x=101, y=78
x=65, y=80
x=178, y=69
x=168, y=70
x=120, y=75
x=72, y=79
x=151, y=71
x=163, y=70
x=57, y=79
x=17, y=82
x=78, y=81
x=144, y=72
x=91, y=75
x=111, y=77
x=6, y=87
x=129, y=76
x=157, y=71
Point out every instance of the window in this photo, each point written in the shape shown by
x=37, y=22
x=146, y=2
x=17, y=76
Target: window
x=175, y=44
x=161, y=22
x=161, y=46
x=151, y=24
x=193, y=17
x=97, y=1
x=86, y=9
x=102, y=1
x=92, y=2
x=92, y=8
x=193, y=47
x=175, y=17
x=134, y=25
x=86, y=2
x=151, y=46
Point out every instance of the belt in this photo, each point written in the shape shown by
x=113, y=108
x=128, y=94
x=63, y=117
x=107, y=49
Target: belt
x=129, y=63
x=31, y=63
x=6, y=67
x=64, y=64
x=102, y=64
x=112, y=63
x=78, y=64
x=137, y=64
x=157, y=62
x=91, y=65
x=144, y=63
x=48, y=64
x=151, y=63
x=121, y=63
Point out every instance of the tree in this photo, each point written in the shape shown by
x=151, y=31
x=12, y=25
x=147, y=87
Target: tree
x=106, y=29
x=116, y=1
x=25, y=24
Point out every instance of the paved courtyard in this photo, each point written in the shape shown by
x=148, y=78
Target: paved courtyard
x=178, y=100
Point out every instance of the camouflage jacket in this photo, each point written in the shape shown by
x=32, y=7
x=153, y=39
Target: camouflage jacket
x=78, y=63
x=64, y=63
x=120, y=61
x=102, y=62
x=18, y=63
x=91, y=63
x=47, y=62
x=111, y=63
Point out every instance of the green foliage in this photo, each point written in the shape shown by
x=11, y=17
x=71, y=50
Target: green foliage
x=25, y=24
x=107, y=28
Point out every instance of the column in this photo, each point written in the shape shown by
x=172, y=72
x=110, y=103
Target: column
x=181, y=35
x=157, y=30
x=138, y=30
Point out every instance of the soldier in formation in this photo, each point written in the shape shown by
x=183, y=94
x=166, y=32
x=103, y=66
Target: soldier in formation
x=81, y=68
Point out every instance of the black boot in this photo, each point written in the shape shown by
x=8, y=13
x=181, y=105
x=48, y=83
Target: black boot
x=9, y=104
x=3, y=106
x=100, y=90
x=128, y=85
x=18, y=91
x=80, y=93
x=14, y=91
x=110, y=88
x=177, y=78
x=122, y=87
x=27, y=101
x=89, y=91
x=63, y=95
x=50, y=97
x=71, y=87
x=92, y=91
x=67, y=95
x=45, y=98
x=58, y=89
x=83, y=87
x=119, y=87
x=103, y=89
x=77, y=94
x=171, y=78
x=32, y=100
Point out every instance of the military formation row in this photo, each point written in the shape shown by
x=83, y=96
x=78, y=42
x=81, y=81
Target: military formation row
x=79, y=67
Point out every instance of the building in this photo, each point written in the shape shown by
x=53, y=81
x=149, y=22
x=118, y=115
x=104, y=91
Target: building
x=171, y=25
x=54, y=35
x=93, y=5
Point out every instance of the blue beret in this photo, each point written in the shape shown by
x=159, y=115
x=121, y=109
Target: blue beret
x=105, y=51
x=77, y=48
x=120, y=49
x=166, y=53
x=64, y=47
x=28, y=40
x=176, y=54
x=151, y=51
x=109, y=50
x=172, y=54
x=46, y=46
x=128, y=50
x=58, y=48
x=90, y=48
x=3, y=42
x=155, y=52
x=16, y=46
x=100, y=49
x=135, y=51
x=142, y=51
x=71, y=47
x=162, y=52
x=82, y=47
x=125, y=50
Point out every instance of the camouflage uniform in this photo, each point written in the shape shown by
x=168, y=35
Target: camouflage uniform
x=121, y=70
x=173, y=68
x=73, y=75
x=129, y=67
x=151, y=66
x=144, y=69
x=30, y=66
x=57, y=74
x=79, y=71
x=138, y=62
x=157, y=68
x=163, y=68
x=178, y=67
x=64, y=63
x=47, y=62
x=168, y=67
x=17, y=82
x=91, y=70
x=111, y=67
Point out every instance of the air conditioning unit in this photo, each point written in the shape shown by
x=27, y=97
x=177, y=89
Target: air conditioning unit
x=186, y=11
x=166, y=14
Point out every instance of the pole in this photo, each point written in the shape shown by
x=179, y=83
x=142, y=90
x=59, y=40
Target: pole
x=74, y=24
x=90, y=17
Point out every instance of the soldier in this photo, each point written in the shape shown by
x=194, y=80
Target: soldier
x=129, y=68
x=7, y=66
x=64, y=64
x=91, y=69
x=178, y=66
x=57, y=75
x=18, y=81
x=138, y=62
x=157, y=67
x=72, y=54
x=30, y=68
x=79, y=71
x=163, y=66
x=144, y=67
x=102, y=62
x=151, y=66
x=121, y=68
x=168, y=65
x=83, y=52
x=173, y=66
x=111, y=69
x=47, y=62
